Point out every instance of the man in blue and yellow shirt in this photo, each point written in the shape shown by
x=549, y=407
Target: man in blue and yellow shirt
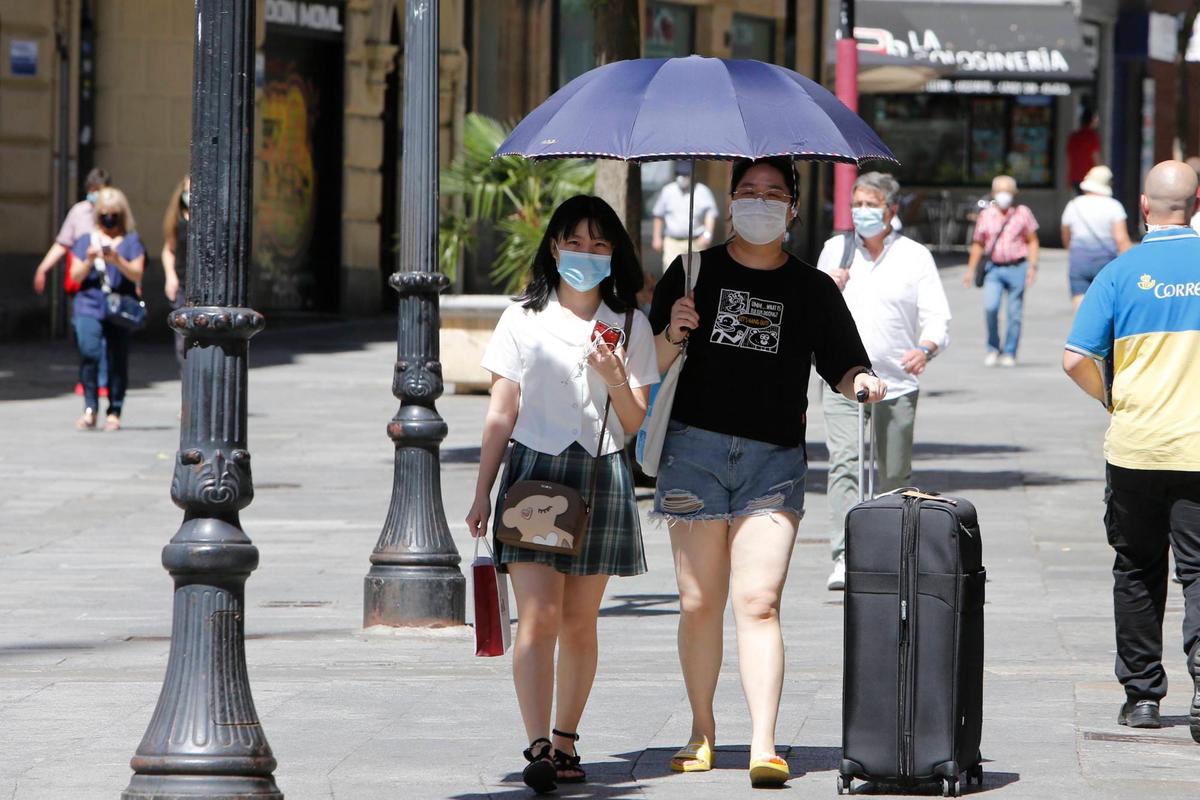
x=1142, y=314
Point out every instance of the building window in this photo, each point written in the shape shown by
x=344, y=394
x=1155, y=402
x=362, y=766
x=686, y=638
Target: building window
x=752, y=37
x=670, y=30
x=575, y=38
x=966, y=140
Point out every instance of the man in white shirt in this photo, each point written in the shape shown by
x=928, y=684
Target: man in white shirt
x=671, y=226
x=892, y=288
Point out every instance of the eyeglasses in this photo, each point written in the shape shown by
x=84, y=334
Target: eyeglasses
x=747, y=193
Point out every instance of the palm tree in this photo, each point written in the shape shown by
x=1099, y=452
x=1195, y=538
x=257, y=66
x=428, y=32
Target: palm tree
x=515, y=194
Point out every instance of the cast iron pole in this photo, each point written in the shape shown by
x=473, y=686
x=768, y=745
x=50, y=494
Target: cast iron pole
x=414, y=577
x=205, y=740
x=846, y=84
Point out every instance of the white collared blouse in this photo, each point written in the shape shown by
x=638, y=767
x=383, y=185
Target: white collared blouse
x=562, y=398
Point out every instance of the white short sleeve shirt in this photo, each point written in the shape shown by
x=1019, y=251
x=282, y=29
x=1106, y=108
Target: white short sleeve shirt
x=562, y=398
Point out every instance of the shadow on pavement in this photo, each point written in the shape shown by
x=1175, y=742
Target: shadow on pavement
x=642, y=605
x=31, y=370
x=957, y=481
x=817, y=451
x=991, y=780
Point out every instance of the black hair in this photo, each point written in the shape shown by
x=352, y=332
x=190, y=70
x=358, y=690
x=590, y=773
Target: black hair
x=785, y=166
x=97, y=178
x=619, y=290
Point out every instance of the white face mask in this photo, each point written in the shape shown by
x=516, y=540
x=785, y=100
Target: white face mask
x=759, y=221
x=1003, y=199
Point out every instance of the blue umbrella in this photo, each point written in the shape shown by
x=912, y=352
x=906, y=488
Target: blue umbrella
x=654, y=109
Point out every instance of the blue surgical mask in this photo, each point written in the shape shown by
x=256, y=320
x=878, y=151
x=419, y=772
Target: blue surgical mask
x=868, y=222
x=92, y=197
x=583, y=271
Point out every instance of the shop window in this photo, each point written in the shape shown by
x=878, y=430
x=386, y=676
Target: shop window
x=752, y=37
x=575, y=38
x=670, y=30
x=966, y=140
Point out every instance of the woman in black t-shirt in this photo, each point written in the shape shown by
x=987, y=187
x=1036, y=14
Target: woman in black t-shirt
x=731, y=477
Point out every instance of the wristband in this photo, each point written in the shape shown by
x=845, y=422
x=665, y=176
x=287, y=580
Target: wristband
x=617, y=385
x=670, y=341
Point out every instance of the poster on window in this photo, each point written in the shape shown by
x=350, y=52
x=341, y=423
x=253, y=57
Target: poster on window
x=669, y=30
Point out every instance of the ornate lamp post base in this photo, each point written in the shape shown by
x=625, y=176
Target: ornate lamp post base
x=192, y=787
x=413, y=596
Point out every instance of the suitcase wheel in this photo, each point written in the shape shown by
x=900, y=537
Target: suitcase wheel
x=845, y=785
x=949, y=787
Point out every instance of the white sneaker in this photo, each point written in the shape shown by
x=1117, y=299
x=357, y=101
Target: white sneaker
x=990, y=359
x=1007, y=361
x=837, y=578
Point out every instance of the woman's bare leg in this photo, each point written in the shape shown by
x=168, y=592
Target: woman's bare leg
x=760, y=550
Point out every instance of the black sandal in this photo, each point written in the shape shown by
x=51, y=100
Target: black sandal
x=542, y=773
x=568, y=763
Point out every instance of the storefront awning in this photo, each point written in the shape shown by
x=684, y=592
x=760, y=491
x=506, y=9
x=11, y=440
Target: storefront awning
x=974, y=48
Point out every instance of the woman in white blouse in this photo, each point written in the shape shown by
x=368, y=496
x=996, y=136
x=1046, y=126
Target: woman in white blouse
x=551, y=379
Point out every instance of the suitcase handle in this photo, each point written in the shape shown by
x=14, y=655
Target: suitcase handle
x=866, y=470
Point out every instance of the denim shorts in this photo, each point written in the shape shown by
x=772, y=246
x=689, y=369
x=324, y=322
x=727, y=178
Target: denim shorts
x=704, y=475
x=1083, y=269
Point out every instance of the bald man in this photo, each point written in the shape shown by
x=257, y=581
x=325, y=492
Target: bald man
x=1142, y=315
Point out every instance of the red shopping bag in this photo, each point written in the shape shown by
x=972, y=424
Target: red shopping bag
x=493, y=625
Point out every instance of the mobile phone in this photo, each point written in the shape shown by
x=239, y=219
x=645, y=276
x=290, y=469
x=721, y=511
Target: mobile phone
x=612, y=336
x=106, y=249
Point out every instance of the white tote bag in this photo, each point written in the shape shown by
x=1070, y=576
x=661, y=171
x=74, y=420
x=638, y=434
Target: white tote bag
x=654, y=430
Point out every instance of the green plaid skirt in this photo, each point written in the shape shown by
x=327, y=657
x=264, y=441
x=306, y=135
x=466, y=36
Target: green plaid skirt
x=613, y=544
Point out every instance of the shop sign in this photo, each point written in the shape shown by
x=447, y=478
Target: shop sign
x=322, y=17
x=927, y=46
x=973, y=86
x=23, y=57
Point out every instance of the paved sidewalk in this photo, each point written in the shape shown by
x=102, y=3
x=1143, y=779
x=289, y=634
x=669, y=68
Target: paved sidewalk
x=360, y=715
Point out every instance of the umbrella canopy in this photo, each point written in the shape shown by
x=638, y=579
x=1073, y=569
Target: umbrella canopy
x=654, y=109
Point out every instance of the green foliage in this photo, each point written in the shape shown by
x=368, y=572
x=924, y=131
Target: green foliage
x=515, y=194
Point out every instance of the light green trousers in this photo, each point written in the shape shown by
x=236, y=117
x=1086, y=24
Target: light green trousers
x=892, y=422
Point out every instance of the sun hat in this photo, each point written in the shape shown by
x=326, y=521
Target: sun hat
x=1098, y=181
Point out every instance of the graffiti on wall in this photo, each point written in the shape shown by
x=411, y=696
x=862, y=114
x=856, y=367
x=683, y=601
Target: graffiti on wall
x=285, y=190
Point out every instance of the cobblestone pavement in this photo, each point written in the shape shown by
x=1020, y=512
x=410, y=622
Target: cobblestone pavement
x=354, y=714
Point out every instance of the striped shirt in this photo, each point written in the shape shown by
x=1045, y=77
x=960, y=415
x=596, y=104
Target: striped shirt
x=1143, y=311
x=1013, y=245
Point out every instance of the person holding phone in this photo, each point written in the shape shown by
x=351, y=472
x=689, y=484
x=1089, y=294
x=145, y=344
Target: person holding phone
x=110, y=258
x=557, y=357
x=732, y=471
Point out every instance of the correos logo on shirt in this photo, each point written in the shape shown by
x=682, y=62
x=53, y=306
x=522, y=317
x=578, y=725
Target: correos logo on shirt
x=1165, y=291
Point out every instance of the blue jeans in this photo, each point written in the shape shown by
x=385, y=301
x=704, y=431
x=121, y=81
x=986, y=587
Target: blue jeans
x=101, y=342
x=1000, y=281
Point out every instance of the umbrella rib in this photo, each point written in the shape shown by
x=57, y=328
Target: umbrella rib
x=638, y=114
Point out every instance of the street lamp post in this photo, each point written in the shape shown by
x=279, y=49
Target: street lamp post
x=205, y=740
x=846, y=84
x=414, y=577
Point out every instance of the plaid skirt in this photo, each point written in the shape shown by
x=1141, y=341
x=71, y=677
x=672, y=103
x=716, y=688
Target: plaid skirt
x=613, y=544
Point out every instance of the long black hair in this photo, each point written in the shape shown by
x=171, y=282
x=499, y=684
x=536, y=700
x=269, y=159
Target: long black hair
x=619, y=290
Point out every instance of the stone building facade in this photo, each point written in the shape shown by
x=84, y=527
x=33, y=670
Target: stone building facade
x=110, y=85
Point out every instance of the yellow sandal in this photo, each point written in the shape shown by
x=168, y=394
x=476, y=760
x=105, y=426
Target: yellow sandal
x=769, y=771
x=694, y=757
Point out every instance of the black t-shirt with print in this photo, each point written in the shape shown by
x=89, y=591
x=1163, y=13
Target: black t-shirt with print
x=760, y=331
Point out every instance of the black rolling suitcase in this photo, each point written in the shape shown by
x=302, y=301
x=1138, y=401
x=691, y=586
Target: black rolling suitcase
x=912, y=698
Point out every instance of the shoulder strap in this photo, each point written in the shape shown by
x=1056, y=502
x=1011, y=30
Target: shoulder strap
x=691, y=272
x=847, y=250
x=1000, y=233
x=604, y=421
